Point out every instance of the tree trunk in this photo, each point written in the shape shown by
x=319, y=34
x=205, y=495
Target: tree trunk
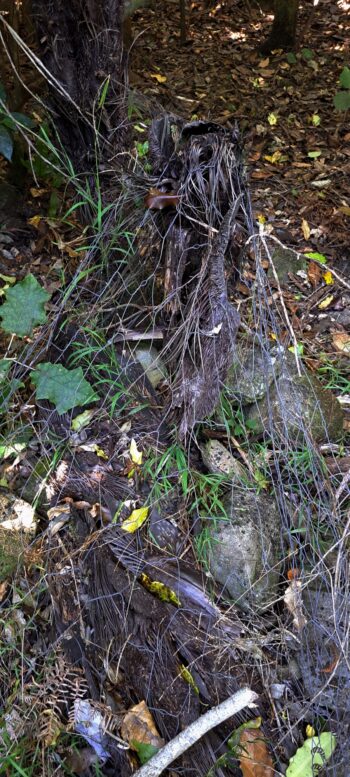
x=81, y=46
x=283, y=32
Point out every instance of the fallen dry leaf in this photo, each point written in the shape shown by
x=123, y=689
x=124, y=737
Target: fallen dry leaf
x=3, y=589
x=293, y=599
x=341, y=342
x=314, y=273
x=138, y=726
x=157, y=200
x=254, y=758
x=306, y=229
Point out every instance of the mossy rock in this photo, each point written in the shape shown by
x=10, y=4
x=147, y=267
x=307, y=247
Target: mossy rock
x=297, y=406
x=244, y=549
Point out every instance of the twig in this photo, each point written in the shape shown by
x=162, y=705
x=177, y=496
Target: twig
x=243, y=455
x=187, y=738
x=280, y=294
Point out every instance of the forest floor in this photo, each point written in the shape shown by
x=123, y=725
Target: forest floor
x=297, y=145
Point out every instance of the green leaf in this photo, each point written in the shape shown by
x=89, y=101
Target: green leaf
x=344, y=78
x=13, y=119
x=291, y=58
x=316, y=119
x=341, y=101
x=6, y=143
x=307, y=54
x=24, y=307
x=64, y=388
x=82, y=420
x=311, y=757
x=104, y=90
x=314, y=154
x=142, y=149
x=144, y=750
x=318, y=257
x=5, y=365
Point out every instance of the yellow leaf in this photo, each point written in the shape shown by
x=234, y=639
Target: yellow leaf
x=186, y=675
x=162, y=591
x=82, y=420
x=159, y=78
x=274, y=158
x=328, y=278
x=8, y=279
x=135, y=520
x=135, y=454
x=272, y=119
x=310, y=731
x=37, y=192
x=34, y=221
x=326, y=302
x=264, y=62
x=100, y=453
x=261, y=217
x=345, y=209
x=306, y=229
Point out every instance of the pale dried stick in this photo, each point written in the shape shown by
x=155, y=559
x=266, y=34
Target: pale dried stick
x=187, y=738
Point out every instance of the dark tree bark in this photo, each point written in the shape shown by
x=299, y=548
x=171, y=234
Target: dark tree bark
x=81, y=46
x=283, y=32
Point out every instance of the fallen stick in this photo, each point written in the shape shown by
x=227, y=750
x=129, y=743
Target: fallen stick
x=183, y=741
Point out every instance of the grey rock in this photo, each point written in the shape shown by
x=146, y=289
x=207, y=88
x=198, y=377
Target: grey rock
x=219, y=461
x=295, y=404
x=244, y=549
x=286, y=261
x=152, y=364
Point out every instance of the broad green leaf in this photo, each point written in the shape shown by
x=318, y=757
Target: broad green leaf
x=311, y=757
x=344, y=77
x=341, y=101
x=314, y=154
x=6, y=143
x=135, y=520
x=307, y=54
x=316, y=119
x=144, y=750
x=319, y=257
x=24, y=307
x=291, y=58
x=64, y=388
x=14, y=118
